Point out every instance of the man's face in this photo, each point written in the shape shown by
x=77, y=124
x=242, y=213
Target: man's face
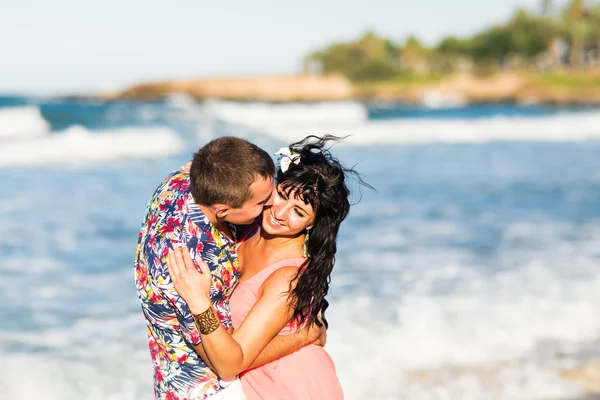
x=261, y=195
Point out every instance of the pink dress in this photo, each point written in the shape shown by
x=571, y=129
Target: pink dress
x=307, y=374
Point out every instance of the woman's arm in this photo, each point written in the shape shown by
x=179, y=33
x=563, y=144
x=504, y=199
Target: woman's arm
x=229, y=354
x=233, y=354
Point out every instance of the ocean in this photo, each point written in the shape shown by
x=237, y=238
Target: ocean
x=470, y=273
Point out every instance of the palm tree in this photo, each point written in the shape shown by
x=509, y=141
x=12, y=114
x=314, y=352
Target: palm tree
x=577, y=30
x=594, y=16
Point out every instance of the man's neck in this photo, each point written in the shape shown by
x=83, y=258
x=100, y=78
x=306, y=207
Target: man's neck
x=218, y=223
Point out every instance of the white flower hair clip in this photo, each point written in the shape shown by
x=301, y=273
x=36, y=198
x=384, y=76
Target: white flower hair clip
x=286, y=157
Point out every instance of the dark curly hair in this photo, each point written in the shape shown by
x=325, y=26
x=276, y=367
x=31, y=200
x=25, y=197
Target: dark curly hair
x=319, y=179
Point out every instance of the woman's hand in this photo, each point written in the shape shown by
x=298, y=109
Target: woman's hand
x=192, y=285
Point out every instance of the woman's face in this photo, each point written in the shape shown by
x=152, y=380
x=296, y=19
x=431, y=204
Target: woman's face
x=288, y=215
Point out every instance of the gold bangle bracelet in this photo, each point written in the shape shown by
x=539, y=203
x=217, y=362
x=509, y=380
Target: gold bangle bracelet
x=206, y=322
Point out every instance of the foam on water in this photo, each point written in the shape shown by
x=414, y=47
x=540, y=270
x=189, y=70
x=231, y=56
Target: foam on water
x=22, y=122
x=292, y=122
x=181, y=101
x=77, y=145
x=97, y=358
x=434, y=99
x=446, y=327
x=260, y=115
x=495, y=329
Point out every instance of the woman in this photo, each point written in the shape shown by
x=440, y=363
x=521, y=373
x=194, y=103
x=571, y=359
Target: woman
x=287, y=257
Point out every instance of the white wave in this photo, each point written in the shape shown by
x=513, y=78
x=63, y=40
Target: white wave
x=20, y=122
x=573, y=127
x=437, y=327
x=519, y=330
x=181, y=101
x=293, y=122
x=77, y=145
x=79, y=362
x=261, y=115
x=434, y=99
x=56, y=378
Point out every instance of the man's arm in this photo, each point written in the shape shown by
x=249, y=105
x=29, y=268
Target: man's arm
x=202, y=353
x=283, y=345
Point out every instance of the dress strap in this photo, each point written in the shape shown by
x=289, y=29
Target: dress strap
x=288, y=262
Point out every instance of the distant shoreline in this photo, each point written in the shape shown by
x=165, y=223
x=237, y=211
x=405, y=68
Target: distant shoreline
x=459, y=88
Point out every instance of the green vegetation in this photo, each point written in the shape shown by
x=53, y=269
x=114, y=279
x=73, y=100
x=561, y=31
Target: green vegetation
x=553, y=42
x=566, y=79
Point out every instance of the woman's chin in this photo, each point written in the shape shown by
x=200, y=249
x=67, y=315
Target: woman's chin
x=270, y=230
x=269, y=226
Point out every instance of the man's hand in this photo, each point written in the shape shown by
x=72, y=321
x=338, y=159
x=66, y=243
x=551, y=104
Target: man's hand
x=315, y=334
x=186, y=167
x=283, y=345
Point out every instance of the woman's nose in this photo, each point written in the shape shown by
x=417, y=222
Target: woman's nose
x=279, y=210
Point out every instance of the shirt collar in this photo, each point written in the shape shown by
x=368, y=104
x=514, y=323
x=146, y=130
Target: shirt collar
x=201, y=220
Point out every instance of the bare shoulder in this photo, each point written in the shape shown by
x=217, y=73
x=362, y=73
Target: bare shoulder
x=279, y=281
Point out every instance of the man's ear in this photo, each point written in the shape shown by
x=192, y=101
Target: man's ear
x=221, y=210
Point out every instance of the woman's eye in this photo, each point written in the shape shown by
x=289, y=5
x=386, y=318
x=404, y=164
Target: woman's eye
x=282, y=195
x=299, y=214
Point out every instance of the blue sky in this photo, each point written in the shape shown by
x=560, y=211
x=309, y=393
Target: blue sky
x=65, y=46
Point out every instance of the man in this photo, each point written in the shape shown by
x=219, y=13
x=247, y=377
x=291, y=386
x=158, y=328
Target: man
x=228, y=183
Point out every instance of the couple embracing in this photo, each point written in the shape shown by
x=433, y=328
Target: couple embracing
x=233, y=264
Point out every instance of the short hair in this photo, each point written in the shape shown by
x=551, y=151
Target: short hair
x=223, y=170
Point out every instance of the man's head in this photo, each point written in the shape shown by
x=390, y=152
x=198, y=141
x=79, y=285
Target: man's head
x=234, y=177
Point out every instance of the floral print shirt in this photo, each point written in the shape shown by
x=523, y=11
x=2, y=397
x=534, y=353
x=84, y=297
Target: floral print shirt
x=173, y=217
